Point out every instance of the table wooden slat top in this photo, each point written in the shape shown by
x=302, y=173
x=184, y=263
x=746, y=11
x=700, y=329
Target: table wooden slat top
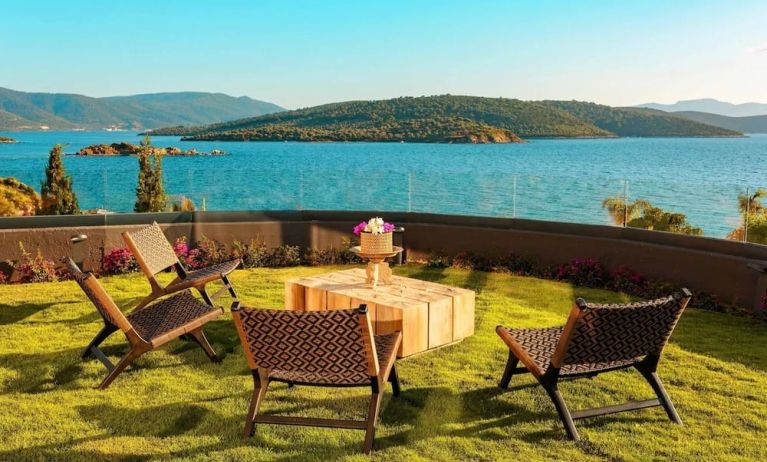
x=428, y=314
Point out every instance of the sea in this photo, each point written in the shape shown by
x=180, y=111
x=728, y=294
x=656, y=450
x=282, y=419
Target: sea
x=545, y=179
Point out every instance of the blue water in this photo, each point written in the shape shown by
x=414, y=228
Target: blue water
x=563, y=180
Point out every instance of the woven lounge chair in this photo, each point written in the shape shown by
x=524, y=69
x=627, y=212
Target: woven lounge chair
x=146, y=329
x=597, y=339
x=155, y=254
x=334, y=348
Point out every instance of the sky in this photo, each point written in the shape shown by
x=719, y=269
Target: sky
x=304, y=53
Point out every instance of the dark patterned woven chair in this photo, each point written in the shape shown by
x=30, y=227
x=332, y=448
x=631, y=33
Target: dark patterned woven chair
x=334, y=348
x=146, y=329
x=155, y=254
x=597, y=339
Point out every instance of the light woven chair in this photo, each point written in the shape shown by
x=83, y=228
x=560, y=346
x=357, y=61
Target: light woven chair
x=146, y=329
x=597, y=339
x=155, y=254
x=334, y=348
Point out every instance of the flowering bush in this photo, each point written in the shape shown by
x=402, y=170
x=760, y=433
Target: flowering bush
x=583, y=272
x=119, y=261
x=35, y=268
x=629, y=281
x=181, y=248
x=205, y=253
x=3, y=278
x=373, y=226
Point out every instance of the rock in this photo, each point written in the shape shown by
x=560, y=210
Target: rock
x=5, y=139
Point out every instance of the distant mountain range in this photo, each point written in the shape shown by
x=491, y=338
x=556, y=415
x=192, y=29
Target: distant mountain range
x=63, y=111
x=448, y=118
x=745, y=118
x=752, y=124
x=712, y=106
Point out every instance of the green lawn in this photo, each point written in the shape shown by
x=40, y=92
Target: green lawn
x=174, y=403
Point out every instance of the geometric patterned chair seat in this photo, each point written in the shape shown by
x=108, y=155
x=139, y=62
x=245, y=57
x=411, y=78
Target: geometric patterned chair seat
x=204, y=275
x=541, y=343
x=180, y=311
x=338, y=376
x=334, y=348
x=597, y=338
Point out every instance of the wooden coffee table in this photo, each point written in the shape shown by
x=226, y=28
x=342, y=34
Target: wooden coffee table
x=429, y=315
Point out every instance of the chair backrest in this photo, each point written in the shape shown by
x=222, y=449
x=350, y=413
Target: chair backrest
x=605, y=333
x=151, y=248
x=337, y=341
x=100, y=299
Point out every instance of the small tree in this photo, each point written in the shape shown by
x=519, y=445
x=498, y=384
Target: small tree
x=150, y=192
x=56, y=191
x=754, y=215
x=621, y=212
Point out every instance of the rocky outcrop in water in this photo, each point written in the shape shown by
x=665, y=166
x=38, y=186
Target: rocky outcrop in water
x=128, y=149
x=5, y=139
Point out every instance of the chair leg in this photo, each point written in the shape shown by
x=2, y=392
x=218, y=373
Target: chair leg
x=105, y=332
x=128, y=358
x=564, y=413
x=199, y=337
x=665, y=401
x=259, y=390
x=394, y=379
x=511, y=364
x=205, y=296
x=229, y=286
x=375, y=406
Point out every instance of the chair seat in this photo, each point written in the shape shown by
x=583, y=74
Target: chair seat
x=386, y=349
x=204, y=275
x=181, y=311
x=541, y=343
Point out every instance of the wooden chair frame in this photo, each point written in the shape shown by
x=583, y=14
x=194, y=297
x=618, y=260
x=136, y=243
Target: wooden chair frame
x=115, y=320
x=378, y=377
x=549, y=377
x=152, y=265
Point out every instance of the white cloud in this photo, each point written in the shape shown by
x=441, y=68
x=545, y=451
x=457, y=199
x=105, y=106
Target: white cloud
x=758, y=49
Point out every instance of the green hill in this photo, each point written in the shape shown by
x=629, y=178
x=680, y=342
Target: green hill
x=446, y=117
x=61, y=111
x=749, y=124
x=639, y=122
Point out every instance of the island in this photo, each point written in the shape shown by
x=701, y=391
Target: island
x=128, y=149
x=17, y=198
x=451, y=119
x=6, y=140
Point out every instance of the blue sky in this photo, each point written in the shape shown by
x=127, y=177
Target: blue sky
x=302, y=53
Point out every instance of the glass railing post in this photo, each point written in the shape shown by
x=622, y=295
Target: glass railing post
x=410, y=191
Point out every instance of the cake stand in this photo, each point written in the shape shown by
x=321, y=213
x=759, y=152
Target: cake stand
x=378, y=270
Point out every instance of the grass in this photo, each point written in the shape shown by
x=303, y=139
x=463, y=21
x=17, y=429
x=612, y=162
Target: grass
x=174, y=404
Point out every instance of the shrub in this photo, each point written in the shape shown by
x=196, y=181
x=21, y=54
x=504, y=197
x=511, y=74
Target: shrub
x=284, y=255
x=206, y=252
x=253, y=255
x=583, y=272
x=438, y=261
x=331, y=256
x=518, y=265
x=626, y=280
x=119, y=261
x=3, y=278
x=35, y=268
